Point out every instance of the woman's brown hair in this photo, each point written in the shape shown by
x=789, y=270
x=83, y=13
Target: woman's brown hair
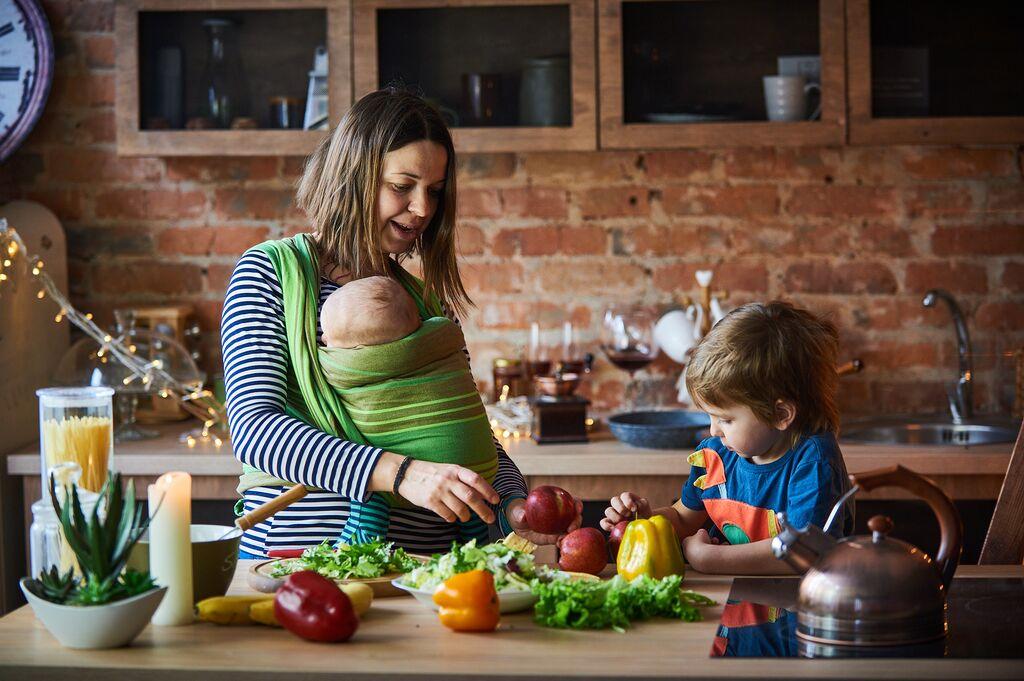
x=340, y=183
x=761, y=353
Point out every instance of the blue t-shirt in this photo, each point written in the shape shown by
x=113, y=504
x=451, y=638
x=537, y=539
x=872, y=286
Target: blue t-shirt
x=743, y=498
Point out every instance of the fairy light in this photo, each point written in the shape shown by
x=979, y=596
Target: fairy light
x=41, y=294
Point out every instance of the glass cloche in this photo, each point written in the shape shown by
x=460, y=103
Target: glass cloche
x=161, y=360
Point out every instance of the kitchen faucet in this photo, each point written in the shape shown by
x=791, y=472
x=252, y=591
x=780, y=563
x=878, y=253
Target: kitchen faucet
x=960, y=394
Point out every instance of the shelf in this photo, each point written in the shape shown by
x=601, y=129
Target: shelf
x=688, y=73
x=433, y=45
x=150, y=32
x=935, y=73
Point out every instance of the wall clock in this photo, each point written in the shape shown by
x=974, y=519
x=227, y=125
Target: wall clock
x=26, y=70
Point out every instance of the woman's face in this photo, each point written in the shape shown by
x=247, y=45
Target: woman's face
x=412, y=185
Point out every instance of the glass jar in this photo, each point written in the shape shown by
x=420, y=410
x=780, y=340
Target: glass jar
x=507, y=372
x=76, y=425
x=47, y=546
x=225, y=92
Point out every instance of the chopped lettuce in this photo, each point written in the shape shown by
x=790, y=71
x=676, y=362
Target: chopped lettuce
x=513, y=570
x=358, y=561
x=614, y=603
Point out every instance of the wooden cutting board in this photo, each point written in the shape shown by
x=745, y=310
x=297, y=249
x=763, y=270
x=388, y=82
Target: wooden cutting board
x=31, y=343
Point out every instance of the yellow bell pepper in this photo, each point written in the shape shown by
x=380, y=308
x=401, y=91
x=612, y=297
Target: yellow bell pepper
x=650, y=547
x=468, y=602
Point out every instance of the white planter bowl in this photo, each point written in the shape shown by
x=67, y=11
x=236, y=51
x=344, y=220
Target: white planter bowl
x=508, y=601
x=95, y=626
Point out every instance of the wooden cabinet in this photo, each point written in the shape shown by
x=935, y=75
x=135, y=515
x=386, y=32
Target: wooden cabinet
x=163, y=58
x=532, y=60
x=935, y=73
x=685, y=73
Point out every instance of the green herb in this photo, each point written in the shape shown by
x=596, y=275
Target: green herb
x=513, y=570
x=360, y=561
x=614, y=603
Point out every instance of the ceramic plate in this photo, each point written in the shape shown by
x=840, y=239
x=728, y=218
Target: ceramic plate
x=261, y=579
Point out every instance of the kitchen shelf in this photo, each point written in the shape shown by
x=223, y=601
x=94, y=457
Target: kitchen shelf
x=430, y=44
x=275, y=41
x=687, y=73
x=935, y=73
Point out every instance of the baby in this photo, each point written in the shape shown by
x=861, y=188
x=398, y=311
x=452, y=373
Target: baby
x=407, y=386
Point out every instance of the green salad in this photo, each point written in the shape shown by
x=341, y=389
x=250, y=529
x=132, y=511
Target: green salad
x=513, y=570
x=359, y=561
x=614, y=603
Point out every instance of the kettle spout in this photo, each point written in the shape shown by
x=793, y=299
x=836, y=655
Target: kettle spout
x=800, y=549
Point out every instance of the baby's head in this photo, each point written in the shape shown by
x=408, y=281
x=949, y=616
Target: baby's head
x=369, y=311
x=763, y=355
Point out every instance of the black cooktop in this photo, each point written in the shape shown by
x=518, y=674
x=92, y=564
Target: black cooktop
x=985, y=618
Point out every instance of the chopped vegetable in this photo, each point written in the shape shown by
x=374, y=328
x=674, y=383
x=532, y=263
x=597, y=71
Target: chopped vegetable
x=359, y=561
x=468, y=602
x=614, y=603
x=513, y=570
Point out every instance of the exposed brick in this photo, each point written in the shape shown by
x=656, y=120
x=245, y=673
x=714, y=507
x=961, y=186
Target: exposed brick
x=222, y=240
x=988, y=240
x=832, y=200
x=218, y=276
x=518, y=315
x=256, y=204
x=150, y=204
x=473, y=167
x=908, y=397
x=479, y=203
x=1002, y=315
x=581, y=166
x=91, y=242
x=894, y=355
x=71, y=164
x=613, y=202
x=88, y=16
x=505, y=242
x=535, y=202
x=743, y=201
x=88, y=89
x=470, y=239
x=737, y=276
x=217, y=169
x=956, y=162
x=609, y=277
x=492, y=277
x=682, y=165
x=555, y=239
x=875, y=238
x=766, y=163
x=292, y=167
x=823, y=277
x=1006, y=198
x=67, y=204
x=677, y=239
x=957, y=277
x=100, y=51
x=99, y=127
x=1013, y=277
x=938, y=200
x=818, y=239
x=146, y=277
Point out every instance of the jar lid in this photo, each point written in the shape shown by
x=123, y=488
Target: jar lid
x=506, y=362
x=93, y=396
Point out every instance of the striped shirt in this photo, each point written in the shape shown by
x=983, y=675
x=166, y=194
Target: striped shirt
x=265, y=437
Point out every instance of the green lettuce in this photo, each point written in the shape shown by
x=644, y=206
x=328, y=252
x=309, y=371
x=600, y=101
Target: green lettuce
x=358, y=561
x=513, y=570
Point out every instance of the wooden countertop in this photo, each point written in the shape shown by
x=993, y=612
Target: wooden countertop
x=401, y=639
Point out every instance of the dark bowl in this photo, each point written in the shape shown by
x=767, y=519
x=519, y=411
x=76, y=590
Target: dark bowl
x=660, y=429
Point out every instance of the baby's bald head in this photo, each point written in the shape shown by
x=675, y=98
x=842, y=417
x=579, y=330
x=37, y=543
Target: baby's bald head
x=369, y=311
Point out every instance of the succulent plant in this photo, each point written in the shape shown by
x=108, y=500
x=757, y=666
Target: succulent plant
x=101, y=545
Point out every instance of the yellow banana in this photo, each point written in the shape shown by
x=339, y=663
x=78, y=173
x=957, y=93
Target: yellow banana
x=228, y=609
x=262, y=612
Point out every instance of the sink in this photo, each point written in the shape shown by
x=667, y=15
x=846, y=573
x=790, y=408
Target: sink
x=934, y=431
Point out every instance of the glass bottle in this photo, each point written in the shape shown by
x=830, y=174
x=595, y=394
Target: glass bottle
x=225, y=95
x=76, y=426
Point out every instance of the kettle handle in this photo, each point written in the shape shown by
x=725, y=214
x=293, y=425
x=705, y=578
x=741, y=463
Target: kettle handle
x=950, y=526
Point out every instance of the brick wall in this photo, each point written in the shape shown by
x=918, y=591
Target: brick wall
x=858, y=232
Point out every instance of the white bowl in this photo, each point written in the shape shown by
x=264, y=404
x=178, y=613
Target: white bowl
x=111, y=625
x=508, y=601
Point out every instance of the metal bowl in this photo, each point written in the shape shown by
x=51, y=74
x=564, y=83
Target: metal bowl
x=557, y=386
x=676, y=429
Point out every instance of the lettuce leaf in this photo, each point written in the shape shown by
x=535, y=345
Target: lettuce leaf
x=359, y=561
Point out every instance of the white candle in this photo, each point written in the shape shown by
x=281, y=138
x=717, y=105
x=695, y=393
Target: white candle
x=567, y=353
x=534, y=340
x=170, y=546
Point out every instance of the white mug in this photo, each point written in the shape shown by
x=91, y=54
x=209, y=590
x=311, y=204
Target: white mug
x=785, y=98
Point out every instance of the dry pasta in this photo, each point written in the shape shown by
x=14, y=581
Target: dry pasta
x=84, y=440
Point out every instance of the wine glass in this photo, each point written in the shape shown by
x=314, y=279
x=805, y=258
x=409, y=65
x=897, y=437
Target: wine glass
x=538, y=362
x=627, y=339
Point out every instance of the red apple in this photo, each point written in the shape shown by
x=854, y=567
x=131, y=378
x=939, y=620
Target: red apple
x=550, y=510
x=584, y=550
x=615, y=537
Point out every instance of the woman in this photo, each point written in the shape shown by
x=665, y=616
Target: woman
x=381, y=186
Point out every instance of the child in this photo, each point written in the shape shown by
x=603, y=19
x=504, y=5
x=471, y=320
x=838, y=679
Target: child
x=766, y=374
x=408, y=388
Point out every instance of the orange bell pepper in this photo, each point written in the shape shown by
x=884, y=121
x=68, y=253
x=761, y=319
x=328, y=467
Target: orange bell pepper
x=468, y=602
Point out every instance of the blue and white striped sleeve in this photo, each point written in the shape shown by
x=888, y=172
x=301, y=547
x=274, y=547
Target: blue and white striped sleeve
x=255, y=354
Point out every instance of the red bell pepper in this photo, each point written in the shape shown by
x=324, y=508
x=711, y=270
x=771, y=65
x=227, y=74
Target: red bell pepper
x=314, y=608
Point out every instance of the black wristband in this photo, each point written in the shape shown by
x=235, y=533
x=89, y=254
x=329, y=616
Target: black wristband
x=400, y=475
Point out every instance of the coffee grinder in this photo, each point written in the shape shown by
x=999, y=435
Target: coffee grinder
x=559, y=415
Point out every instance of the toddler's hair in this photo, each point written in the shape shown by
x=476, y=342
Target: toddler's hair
x=763, y=352
x=369, y=311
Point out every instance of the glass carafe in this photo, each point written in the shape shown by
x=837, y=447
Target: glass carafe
x=225, y=95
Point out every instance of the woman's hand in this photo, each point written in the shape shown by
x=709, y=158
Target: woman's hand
x=450, y=491
x=515, y=512
x=626, y=506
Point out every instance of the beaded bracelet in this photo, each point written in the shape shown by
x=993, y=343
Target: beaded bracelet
x=400, y=475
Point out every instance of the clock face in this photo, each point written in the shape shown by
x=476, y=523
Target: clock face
x=26, y=69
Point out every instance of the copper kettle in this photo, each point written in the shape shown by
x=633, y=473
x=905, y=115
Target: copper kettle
x=873, y=590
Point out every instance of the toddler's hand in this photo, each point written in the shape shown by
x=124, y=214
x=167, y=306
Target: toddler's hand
x=626, y=506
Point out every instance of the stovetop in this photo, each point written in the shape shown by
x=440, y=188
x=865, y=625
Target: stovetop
x=984, y=617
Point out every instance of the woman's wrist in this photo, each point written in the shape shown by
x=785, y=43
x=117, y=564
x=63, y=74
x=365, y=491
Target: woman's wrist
x=382, y=479
x=504, y=515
